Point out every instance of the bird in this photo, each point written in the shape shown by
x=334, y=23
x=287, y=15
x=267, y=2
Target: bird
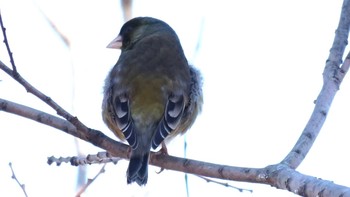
x=152, y=93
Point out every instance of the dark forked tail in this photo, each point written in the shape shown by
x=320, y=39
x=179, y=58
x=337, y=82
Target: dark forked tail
x=138, y=169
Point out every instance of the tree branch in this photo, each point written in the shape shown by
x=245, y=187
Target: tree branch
x=17, y=181
x=3, y=29
x=90, y=135
x=332, y=77
x=279, y=176
x=89, y=181
x=101, y=157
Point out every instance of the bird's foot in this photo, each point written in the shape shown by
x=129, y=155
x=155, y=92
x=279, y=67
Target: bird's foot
x=162, y=151
x=129, y=152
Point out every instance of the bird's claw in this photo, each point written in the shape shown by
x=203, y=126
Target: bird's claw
x=162, y=151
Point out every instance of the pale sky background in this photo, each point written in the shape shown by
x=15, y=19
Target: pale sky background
x=262, y=64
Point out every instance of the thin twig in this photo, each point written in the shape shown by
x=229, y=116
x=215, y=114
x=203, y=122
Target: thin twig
x=14, y=177
x=224, y=184
x=63, y=37
x=127, y=9
x=89, y=181
x=8, y=46
x=101, y=157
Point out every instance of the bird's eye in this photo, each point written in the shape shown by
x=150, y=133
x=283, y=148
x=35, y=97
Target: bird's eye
x=126, y=42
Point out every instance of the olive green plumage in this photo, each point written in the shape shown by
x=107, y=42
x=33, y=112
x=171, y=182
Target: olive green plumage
x=151, y=93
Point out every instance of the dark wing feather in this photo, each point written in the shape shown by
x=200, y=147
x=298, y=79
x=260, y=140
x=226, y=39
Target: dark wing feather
x=171, y=119
x=124, y=121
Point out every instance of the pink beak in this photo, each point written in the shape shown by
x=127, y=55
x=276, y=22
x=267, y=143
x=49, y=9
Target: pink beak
x=117, y=43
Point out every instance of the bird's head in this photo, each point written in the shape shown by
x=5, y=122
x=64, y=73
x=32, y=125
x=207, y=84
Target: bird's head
x=136, y=29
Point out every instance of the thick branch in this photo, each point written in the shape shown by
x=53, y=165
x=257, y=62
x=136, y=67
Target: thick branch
x=279, y=176
x=93, y=136
x=118, y=149
x=332, y=78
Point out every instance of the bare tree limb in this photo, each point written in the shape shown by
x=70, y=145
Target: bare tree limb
x=89, y=181
x=57, y=30
x=90, y=135
x=101, y=157
x=332, y=77
x=19, y=183
x=3, y=29
x=280, y=176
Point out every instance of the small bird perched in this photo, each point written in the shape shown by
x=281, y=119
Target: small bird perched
x=152, y=93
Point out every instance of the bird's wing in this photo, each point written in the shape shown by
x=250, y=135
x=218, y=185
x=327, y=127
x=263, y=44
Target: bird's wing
x=171, y=119
x=124, y=121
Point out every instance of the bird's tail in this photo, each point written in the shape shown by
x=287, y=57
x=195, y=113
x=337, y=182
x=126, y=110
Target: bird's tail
x=138, y=169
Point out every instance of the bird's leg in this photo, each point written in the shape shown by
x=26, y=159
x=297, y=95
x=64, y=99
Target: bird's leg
x=163, y=151
x=129, y=152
